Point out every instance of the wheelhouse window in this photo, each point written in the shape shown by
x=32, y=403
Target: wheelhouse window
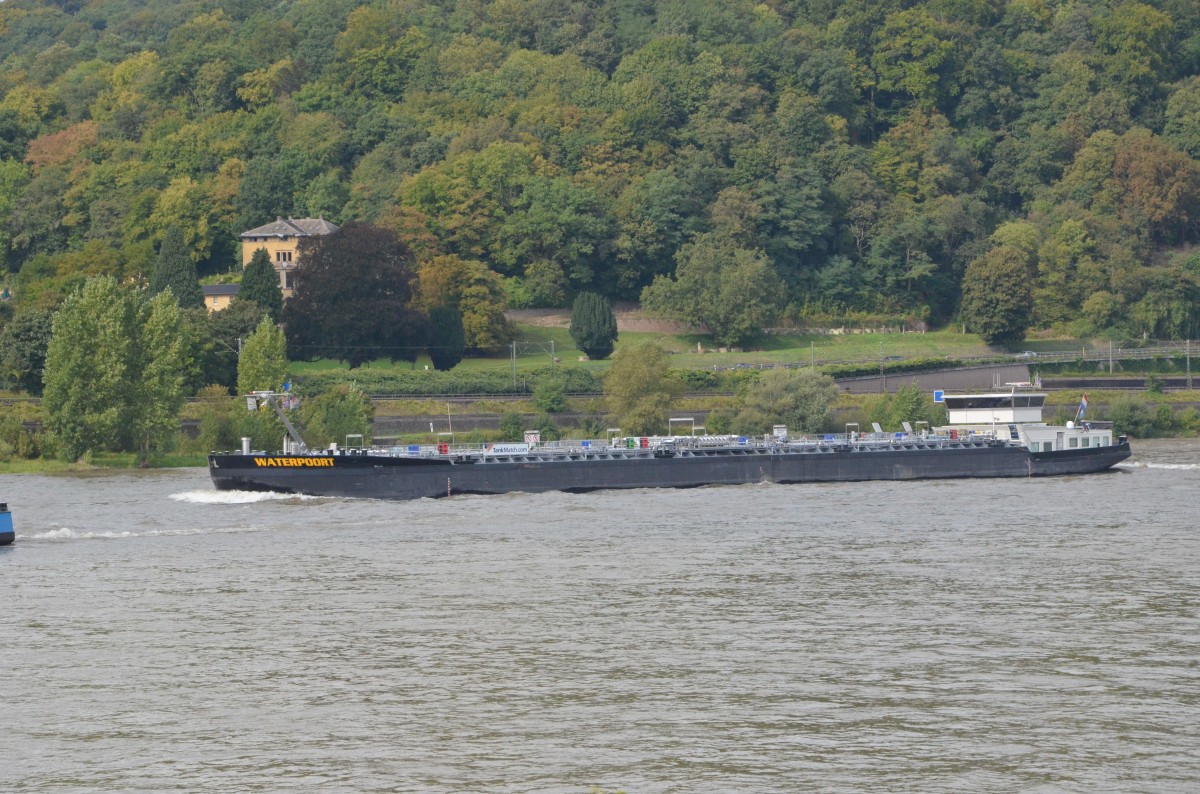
x=996, y=401
x=1072, y=443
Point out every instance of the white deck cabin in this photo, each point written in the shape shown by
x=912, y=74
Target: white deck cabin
x=1016, y=415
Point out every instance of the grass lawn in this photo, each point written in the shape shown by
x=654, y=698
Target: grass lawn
x=535, y=343
x=100, y=460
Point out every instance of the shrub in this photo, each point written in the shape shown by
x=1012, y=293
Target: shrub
x=1164, y=419
x=549, y=396
x=512, y=426
x=1130, y=416
x=546, y=427
x=336, y=414
x=217, y=425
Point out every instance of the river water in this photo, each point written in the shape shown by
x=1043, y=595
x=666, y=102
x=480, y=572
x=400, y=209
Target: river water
x=1023, y=635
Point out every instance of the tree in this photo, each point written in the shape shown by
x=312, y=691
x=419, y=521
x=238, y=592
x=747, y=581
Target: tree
x=593, y=325
x=638, y=389
x=263, y=363
x=915, y=54
x=908, y=404
x=260, y=283
x=228, y=330
x=354, y=298
x=340, y=412
x=114, y=370
x=446, y=341
x=23, y=349
x=217, y=429
x=477, y=292
x=802, y=399
x=997, y=300
x=554, y=221
x=158, y=376
x=1160, y=188
x=175, y=270
x=730, y=289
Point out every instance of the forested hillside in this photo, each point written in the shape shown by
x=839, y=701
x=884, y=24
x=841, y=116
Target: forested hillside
x=796, y=158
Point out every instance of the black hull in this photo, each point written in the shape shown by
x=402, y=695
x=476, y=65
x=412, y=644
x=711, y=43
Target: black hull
x=387, y=477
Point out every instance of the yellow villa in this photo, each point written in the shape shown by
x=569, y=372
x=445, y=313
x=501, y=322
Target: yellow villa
x=281, y=239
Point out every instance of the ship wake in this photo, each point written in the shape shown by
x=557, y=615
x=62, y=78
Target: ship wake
x=1149, y=464
x=67, y=533
x=206, y=497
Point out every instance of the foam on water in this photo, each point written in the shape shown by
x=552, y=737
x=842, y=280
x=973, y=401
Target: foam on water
x=1148, y=464
x=206, y=497
x=66, y=533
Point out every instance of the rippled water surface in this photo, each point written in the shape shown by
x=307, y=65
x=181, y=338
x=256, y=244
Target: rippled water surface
x=1034, y=635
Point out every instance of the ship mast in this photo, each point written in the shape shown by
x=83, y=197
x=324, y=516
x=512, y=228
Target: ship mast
x=255, y=400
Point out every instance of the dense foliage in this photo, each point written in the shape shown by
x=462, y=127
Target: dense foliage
x=802, y=399
x=114, y=370
x=638, y=389
x=806, y=157
x=23, y=346
x=354, y=299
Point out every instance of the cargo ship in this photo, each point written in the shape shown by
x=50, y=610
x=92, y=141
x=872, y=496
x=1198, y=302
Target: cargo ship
x=998, y=434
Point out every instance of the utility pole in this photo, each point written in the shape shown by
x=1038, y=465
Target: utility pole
x=1188, y=356
x=882, y=377
x=1110, y=357
x=514, y=363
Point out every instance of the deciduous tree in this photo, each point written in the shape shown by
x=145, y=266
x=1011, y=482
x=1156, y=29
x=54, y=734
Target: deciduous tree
x=802, y=399
x=115, y=370
x=478, y=294
x=638, y=389
x=997, y=300
x=340, y=412
x=263, y=363
x=354, y=298
x=730, y=289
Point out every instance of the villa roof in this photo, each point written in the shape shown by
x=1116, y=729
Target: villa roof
x=213, y=290
x=292, y=227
